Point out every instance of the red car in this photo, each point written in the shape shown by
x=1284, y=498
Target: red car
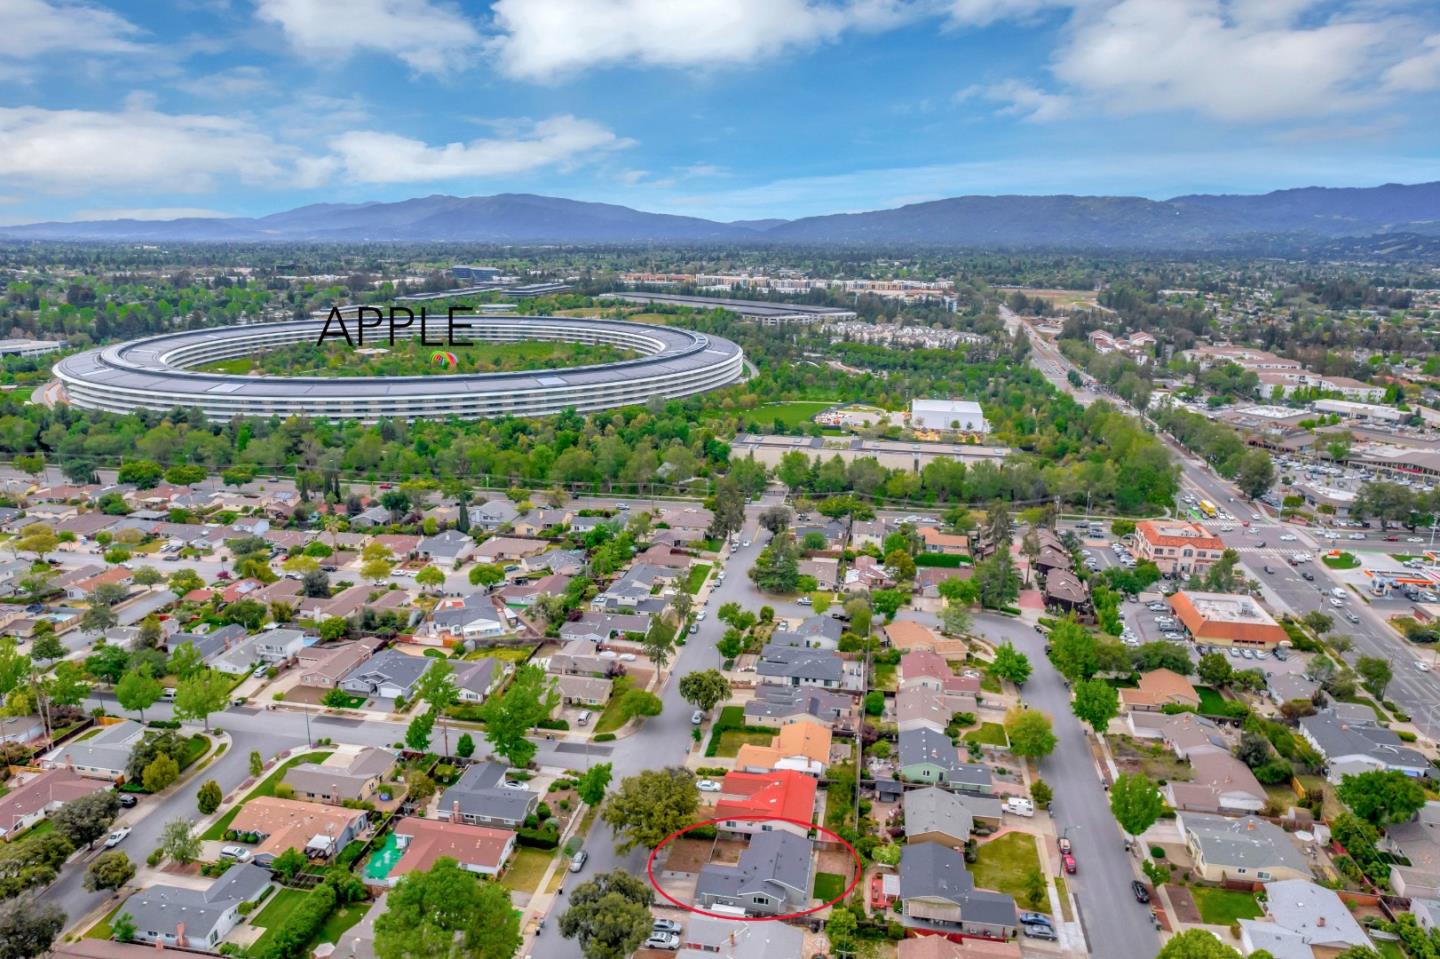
x=1069, y=862
x=1392, y=539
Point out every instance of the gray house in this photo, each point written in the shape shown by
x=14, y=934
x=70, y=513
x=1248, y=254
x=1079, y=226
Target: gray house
x=388, y=675
x=937, y=815
x=493, y=514
x=773, y=877
x=800, y=666
x=939, y=894
x=1356, y=747
x=928, y=756
x=447, y=548
x=480, y=798
x=194, y=918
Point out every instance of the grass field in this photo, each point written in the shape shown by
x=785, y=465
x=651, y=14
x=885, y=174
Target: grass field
x=612, y=717
x=101, y=929
x=526, y=869
x=278, y=909
x=828, y=886
x=1005, y=865
x=885, y=676
x=791, y=414
x=989, y=734
x=732, y=739
x=696, y=577
x=1343, y=561
x=1210, y=700
x=266, y=788
x=512, y=654
x=1221, y=907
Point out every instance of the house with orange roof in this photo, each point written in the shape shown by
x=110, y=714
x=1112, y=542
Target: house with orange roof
x=1160, y=688
x=751, y=802
x=802, y=747
x=905, y=635
x=939, y=947
x=1226, y=619
x=315, y=829
x=1178, y=547
x=947, y=544
x=478, y=849
x=117, y=575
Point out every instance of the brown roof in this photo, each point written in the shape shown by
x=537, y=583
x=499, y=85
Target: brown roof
x=58, y=785
x=938, y=947
x=468, y=845
x=933, y=537
x=1063, y=584
x=1164, y=533
x=290, y=823
x=904, y=634
x=1159, y=687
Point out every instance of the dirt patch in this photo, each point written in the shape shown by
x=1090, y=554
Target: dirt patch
x=687, y=855
x=305, y=694
x=837, y=861
x=728, y=851
x=1186, y=912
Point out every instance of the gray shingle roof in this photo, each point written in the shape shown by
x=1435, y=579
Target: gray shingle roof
x=937, y=810
x=479, y=793
x=790, y=661
x=162, y=908
x=1250, y=842
x=924, y=745
x=775, y=863
x=932, y=871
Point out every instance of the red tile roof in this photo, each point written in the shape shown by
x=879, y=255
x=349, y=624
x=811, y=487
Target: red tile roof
x=783, y=793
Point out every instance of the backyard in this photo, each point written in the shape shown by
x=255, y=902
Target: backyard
x=1211, y=702
x=1008, y=864
x=885, y=676
x=284, y=903
x=1221, y=907
x=828, y=886
x=1154, y=761
x=266, y=788
x=732, y=739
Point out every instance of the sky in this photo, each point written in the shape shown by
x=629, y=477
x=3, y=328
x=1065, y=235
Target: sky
x=726, y=109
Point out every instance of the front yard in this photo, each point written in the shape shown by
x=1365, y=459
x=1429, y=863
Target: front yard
x=732, y=739
x=526, y=869
x=1221, y=907
x=1009, y=865
x=989, y=734
x=266, y=788
x=696, y=577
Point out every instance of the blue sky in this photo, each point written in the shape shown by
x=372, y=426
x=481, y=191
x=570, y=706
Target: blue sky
x=726, y=109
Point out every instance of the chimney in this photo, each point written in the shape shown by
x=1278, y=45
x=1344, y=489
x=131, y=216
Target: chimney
x=335, y=794
x=180, y=934
x=455, y=811
x=1319, y=922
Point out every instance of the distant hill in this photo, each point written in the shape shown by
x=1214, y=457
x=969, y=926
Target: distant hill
x=1301, y=219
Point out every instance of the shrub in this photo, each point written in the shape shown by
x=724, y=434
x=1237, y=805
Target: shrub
x=604, y=738
x=284, y=791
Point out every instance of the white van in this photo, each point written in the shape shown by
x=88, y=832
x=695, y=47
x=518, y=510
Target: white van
x=168, y=694
x=1338, y=592
x=584, y=718
x=1020, y=806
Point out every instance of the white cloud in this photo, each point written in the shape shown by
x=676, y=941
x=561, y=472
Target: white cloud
x=38, y=28
x=982, y=13
x=72, y=150
x=543, y=39
x=373, y=157
x=1241, y=60
x=1419, y=72
x=241, y=81
x=1022, y=100
x=149, y=213
x=429, y=37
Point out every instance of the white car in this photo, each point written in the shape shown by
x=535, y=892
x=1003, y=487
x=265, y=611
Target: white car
x=1287, y=537
x=237, y=853
x=1414, y=539
x=514, y=784
x=116, y=837
x=1336, y=602
x=663, y=940
x=1423, y=666
x=803, y=601
x=708, y=786
x=1356, y=536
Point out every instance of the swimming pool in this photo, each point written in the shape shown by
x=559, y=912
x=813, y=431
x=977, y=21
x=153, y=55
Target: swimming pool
x=383, y=859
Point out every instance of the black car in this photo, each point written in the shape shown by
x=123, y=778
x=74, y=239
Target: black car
x=1142, y=895
x=1308, y=576
x=128, y=800
x=1269, y=570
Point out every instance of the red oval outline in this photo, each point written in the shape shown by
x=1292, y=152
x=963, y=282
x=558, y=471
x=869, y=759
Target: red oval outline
x=650, y=868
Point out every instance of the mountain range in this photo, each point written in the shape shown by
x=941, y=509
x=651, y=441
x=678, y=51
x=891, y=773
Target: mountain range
x=1306, y=216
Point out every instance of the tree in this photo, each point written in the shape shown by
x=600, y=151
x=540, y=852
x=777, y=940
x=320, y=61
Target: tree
x=289, y=862
x=775, y=518
x=1382, y=796
x=430, y=577
x=28, y=928
x=592, y=785
x=417, y=734
x=98, y=618
x=1030, y=733
x=659, y=642
x=1041, y=792
x=1255, y=473
x=1214, y=669
x=47, y=645
x=1010, y=664
x=209, y=797
x=257, y=763
x=857, y=611
x=1196, y=944
x=447, y=911
x=110, y=870
x=638, y=702
x=138, y=691
x=955, y=620
x=88, y=818
x=841, y=929
x=1253, y=749
x=185, y=660
x=1375, y=673
x=205, y=692
x=1162, y=655
x=162, y=771
x=997, y=580
x=179, y=842
x=66, y=685
x=1096, y=702
x=1135, y=802
x=777, y=568
x=728, y=510
x=609, y=915
x=510, y=716
x=465, y=746
x=437, y=689
x=704, y=688
x=37, y=540
x=1318, y=622
x=650, y=806
x=486, y=574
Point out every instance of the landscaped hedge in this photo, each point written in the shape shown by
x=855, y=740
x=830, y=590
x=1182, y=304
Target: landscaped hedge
x=604, y=738
x=553, y=724
x=943, y=560
x=302, y=925
x=545, y=837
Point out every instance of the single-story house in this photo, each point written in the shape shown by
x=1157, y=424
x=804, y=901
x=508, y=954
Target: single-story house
x=803, y=747
x=102, y=756
x=478, y=849
x=323, y=666
x=34, y=795
x=938, y=893
x=1302, y=918
x=773, y=877
x=342, y=777
x=727, y=939
x=315, y=829
x=478, y=798
x=1242, y=849
x=749, y=802
x=937, y=815
x=194, y=918
x=388, y=675
x=1349, y=748
x=1160, y=688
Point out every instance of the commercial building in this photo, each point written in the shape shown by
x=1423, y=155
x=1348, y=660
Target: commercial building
x=959, y=416
x=156, y=373
x=762, y=311
x=1177, y=548
x=29, y=347
x=1226, y=619
x=892, y=454
x=475, y=274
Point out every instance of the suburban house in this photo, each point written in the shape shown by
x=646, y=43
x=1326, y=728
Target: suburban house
x=946, y=544
x=447, y=548
x=456, y=620
x=1290, y=687
x=923, y=667
x=1349, y=748
x=315, y=829
x=802, y=747
x=928, y=756
x=906, y=635
x=939, y=947
x=388, y=675
x=342, y=777
x=102, y=756
x=918, y=706
x=492, y=514
x=596, y=627
x=773, y=877
x=1418, y=843
x=937, y=815
x=938, y=893
x=1065, y=593
x=279, y=645
x=1219, y=783
x=508, y=549
x=579, y=658
x=778, y=706
x=801, y=666
x=1302, y=917
x=1245, y=849
x=541, y=520
x=1160, y=688
x=1184, y=733
x=195, y=918
x=583, y=690
x=479, y=798
x=726, y=939
x=747, y=800
x=34, y=795
x=323, y=666
x=478, y=849
x=474, y=679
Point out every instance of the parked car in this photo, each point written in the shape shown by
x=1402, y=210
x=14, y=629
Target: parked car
x=117, y=837
x=1142, y=895
x=237, y=853
x=1068, y=861
x=708, y=786
x=665, y=925
x=514, y=784
x=697, y=717
x=1035, y=919
x=663, y=940
x=1020, y=806
x=577, y=861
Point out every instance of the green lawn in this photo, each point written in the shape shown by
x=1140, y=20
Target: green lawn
x=828, y=886
x=1389, y=950
x=341, y=920
x=612, y=717
x=514, y=654
x=1221, y=907
x=101, y=929
x=1343, y=561
x=278, y=909
x=885, y=676
x=526, y=869
x=696, y=577
x=732, y=739
x=989, y=734
x=1005, y=865
x=266, y=788
x=195, y=747
x=793, y=413
x=1210, y=700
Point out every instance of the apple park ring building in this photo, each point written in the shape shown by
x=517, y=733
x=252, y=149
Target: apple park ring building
x=155, y=373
